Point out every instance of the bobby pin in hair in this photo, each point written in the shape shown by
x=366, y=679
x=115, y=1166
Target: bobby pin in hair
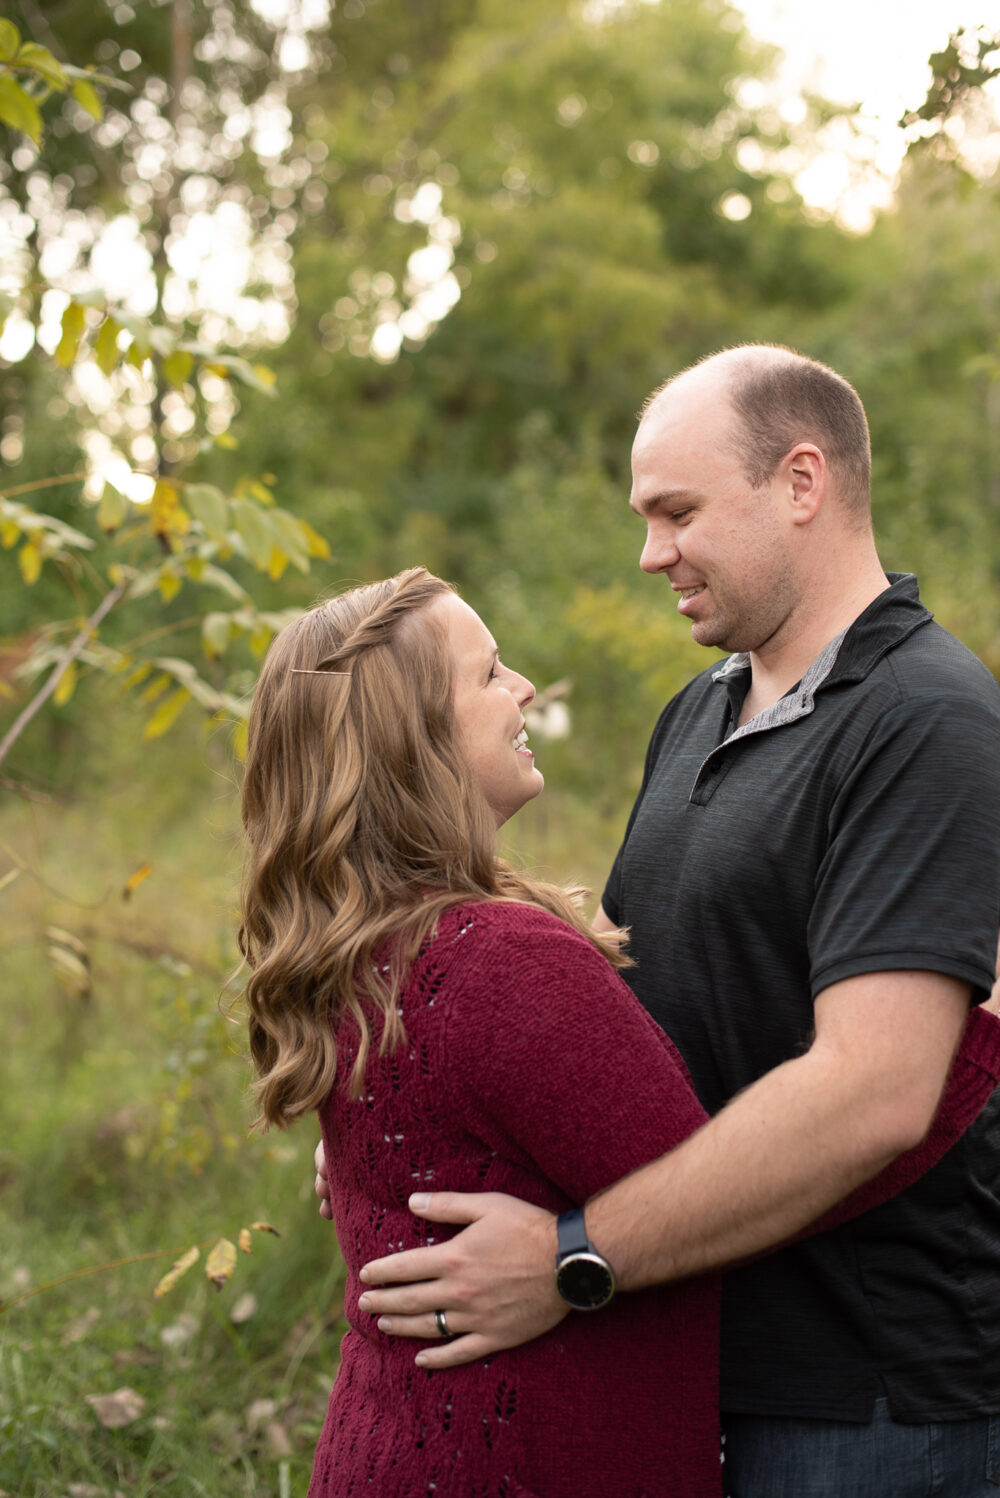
x=301, y=671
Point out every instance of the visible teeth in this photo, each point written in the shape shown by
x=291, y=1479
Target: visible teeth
x=692, y=592
x=521, y=740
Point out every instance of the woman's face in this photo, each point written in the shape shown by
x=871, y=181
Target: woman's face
x=489, y=710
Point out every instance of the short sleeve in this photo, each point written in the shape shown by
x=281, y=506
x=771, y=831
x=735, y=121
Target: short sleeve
x=973, y=1079
x=911, y=874
x=561, y=1064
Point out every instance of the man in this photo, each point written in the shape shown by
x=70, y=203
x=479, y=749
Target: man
x=811, y=879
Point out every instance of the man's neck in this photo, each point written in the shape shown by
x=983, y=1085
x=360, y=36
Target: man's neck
x=777, y=667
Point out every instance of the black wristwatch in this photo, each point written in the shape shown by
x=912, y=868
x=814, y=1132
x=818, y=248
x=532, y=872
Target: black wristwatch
x=584, y=1278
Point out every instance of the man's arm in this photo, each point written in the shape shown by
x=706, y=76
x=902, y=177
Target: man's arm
x=773, y=1160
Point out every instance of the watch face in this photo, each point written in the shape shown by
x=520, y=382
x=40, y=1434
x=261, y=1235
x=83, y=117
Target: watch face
x=585, y=1281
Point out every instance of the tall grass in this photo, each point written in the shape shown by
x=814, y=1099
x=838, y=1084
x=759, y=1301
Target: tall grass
x=124, y=1128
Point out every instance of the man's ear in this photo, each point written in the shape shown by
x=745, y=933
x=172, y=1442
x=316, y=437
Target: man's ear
x=807, y=476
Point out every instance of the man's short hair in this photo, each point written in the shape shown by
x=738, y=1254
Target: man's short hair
x=782, y=397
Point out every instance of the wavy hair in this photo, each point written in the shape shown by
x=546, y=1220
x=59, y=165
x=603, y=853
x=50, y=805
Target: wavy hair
x=363, y=823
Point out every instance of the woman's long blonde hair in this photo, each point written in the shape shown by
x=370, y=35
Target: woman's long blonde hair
x=363, y=823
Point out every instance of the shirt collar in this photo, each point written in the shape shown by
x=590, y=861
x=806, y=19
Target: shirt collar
x=850, y=656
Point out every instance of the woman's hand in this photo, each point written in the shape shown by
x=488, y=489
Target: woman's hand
x=495, y=1281
x=322, y=1184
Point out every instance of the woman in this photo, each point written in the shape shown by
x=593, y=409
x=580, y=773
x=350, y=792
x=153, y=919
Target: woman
x=454, y=1021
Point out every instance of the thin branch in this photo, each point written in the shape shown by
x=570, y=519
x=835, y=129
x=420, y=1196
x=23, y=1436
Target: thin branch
x=60, y=478
x=79, y=1274
x=69, y=655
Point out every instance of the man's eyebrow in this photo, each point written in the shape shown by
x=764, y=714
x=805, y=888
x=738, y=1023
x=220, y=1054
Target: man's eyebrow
x=663, y=500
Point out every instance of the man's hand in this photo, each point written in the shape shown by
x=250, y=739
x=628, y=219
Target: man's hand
x=495, y=1281
x=322, y=1185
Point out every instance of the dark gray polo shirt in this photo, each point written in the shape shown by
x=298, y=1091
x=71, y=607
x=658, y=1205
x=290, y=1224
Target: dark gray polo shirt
x=853, y=827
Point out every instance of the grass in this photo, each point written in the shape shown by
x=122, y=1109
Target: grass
x=124, y=1128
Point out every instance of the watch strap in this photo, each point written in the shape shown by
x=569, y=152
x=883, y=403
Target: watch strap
x=571, y=1234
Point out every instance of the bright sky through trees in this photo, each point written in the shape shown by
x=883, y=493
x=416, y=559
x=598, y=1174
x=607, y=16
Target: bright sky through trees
x=872, y=52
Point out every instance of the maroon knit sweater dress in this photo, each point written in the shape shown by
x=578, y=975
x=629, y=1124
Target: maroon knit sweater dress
x=529, y=1068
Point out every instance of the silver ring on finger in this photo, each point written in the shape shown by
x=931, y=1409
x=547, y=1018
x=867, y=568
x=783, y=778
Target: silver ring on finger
x=441, y=1323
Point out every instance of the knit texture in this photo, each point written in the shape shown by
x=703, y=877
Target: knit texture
x=529, y=1068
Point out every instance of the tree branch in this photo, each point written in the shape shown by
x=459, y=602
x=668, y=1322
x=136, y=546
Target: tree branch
x=60, y=668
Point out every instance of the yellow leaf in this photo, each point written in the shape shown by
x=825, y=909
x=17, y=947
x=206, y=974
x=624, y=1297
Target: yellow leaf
x=240, y=740
x=176, y=367
x=265, y=374
x=316, y=544
x=106, y=345
x=264, y=1227
x=10, y=40
x=169, y=586
x=30, y=561
x=277, y=562
x=260, y=638
x=221, y=1262
x=10, y=534
x=88, y=98
x=67, y=683
x=74, y=320
x=135, y=879
x=18, y=109
x=165, y=502
x=112, y=509
x=226, y=440
x=169, y=1280
x=166, y=714
x=156, y=687
x=245, y=1241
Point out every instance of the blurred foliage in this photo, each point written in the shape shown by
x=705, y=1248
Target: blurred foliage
x=400, y=281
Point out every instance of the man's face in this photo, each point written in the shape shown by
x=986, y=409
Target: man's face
x=724, y=546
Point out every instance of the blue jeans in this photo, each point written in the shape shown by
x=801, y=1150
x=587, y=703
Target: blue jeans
x=775, y=1457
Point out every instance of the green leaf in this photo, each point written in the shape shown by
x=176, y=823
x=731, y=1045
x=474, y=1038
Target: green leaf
x=10, y=40
x=289, y=536
x=176, y=368
x=254, y=531
x=258, y=376
x=208, y=506
x=216, y=633
x=74, y=320
x=41, y=61
x=106, y=345
x=18, y=110
x=112, y=509
x=88, y=98
x=166, y=714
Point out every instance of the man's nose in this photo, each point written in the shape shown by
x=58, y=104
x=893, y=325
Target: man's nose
x=659, y=552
